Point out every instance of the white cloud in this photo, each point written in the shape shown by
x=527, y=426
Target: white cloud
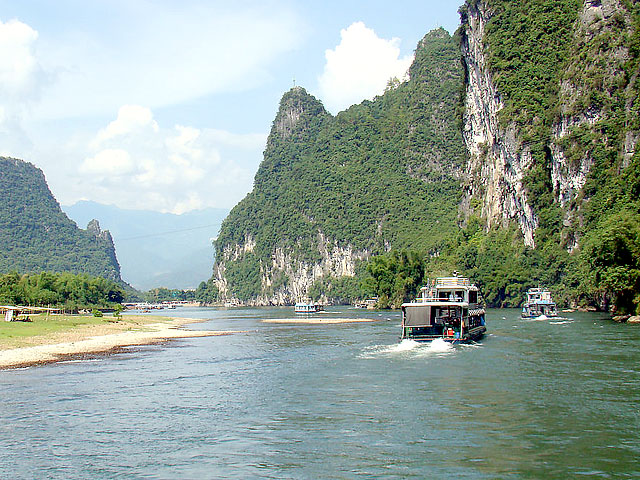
x=108, y=162
x=21, y=81
x=360, y=67
x=131, y=118
x=135, y=163
x=20, y=71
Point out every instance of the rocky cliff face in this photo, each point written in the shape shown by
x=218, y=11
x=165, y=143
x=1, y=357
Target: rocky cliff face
x=287, y=279
x=498, y=159
x=599, y=21
x=105, y=240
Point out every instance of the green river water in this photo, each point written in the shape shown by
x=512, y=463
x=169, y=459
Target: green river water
x=533, y=399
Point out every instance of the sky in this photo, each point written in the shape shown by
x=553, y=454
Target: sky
x=166, y=105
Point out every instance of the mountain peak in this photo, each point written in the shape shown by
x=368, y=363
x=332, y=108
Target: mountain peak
x=297, y=109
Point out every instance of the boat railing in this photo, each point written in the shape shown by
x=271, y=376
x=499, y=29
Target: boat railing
x=432, y=298
x=452, y=282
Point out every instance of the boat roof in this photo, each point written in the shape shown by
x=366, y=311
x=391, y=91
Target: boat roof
x=436, y=303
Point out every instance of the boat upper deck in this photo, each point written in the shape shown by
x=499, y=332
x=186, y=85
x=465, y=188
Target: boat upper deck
x=448, y=291
x=539, y=295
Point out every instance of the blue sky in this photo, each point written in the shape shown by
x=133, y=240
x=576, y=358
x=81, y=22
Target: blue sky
x=166, y=105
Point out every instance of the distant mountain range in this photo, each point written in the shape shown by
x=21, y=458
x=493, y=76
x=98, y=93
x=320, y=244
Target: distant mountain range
x=157, y=249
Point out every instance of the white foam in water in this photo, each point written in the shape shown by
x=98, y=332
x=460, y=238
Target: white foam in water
x=436, y=346
x=404, y=345
x=440, y=346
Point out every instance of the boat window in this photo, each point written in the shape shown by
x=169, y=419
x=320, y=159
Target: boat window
x=473, y=296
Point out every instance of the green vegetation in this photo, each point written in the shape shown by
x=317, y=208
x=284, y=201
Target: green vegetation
x=42, y=327
x=207, y=292
x=386, y=176
x=37, y=236
x=337, y=290
x=380, y=173
x=161, y=294
x=497, y=261
x=63, y=290
x=18, y=334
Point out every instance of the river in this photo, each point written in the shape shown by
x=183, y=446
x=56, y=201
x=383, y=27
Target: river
x=533, y=399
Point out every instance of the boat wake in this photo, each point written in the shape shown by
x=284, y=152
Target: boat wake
x=437, y=346
x=542, y=318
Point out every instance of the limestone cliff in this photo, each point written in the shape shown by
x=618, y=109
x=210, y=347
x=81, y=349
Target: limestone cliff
x=589, y=71
x=528, y=117
x=498, y=159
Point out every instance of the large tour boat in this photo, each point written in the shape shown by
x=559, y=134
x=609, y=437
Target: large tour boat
x=449, y=308
x=539, y=304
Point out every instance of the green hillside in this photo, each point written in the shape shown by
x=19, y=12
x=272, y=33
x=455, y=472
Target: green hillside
x=381, y=174
x=572, y=66
x=36, y=236
x=390, y=181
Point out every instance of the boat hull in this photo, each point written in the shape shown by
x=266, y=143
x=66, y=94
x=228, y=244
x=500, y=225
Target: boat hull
x=545, y=316
x=471, y=336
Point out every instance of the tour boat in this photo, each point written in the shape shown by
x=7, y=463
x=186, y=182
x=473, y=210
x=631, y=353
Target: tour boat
x=302, y=307
x=448, y=308
x=539, y=304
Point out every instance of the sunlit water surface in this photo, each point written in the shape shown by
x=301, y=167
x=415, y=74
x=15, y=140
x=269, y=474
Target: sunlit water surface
x=533, y=399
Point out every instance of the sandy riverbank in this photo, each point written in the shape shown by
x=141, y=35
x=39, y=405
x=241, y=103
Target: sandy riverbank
x=99, y=339
x=313, y=320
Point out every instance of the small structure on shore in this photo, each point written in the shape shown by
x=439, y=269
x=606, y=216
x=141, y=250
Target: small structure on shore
x=20, y=313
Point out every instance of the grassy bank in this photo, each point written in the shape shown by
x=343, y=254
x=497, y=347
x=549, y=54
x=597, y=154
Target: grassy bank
x=44, y=329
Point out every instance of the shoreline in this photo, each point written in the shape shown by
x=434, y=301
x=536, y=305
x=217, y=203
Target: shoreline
x=89, y=342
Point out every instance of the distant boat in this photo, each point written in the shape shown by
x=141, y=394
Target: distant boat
x=313, y=307
x=539, y=304
x=449, y=308
x=369, y=303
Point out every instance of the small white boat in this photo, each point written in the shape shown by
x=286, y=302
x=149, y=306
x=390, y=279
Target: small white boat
x=313, y=307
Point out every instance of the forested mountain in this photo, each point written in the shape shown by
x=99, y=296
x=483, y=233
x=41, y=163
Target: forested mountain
x=509, y=155
x=36, y=236
x=332, y=191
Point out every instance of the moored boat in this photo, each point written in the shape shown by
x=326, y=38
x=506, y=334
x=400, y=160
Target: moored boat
x=539, y=304
x=448, y=308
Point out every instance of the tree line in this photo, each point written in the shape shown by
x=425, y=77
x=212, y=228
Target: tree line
x=59, y=290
